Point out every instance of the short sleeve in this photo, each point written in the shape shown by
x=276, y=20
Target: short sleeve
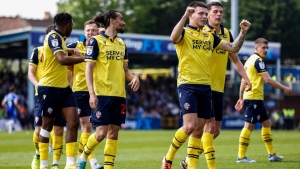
x=55, y=42
x=260, y=66
x=34, y=57
x=92, y=49
x=217, y=40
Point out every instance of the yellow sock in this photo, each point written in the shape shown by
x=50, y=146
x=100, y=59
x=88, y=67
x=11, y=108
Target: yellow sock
x=82, y=142
x=51, y=136
x=57, y=147
x=71, y=149
x=244, y=142
x=209, y=150
x=91, y=144
x=194, y=150
x=268, y=139
x=110, y=151
x=44, y=148
x=36, y=142
x=178, y=140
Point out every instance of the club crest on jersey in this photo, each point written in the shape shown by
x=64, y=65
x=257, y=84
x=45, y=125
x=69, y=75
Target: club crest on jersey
x=36, y=119
x=91, y=41
x=89, y=50
x=54, y=42
x=104, y=42
x=187, y=106
x=50, y=110
x=53, y=35
x=98, y=114
x=205, y=35
x=262, y=65
x=79, y=110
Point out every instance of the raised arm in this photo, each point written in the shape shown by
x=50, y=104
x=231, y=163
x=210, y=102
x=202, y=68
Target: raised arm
x=235, y=46
x=176, y=34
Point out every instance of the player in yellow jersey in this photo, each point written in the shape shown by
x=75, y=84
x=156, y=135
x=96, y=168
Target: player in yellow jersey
x=81, y=92
x=106, y=73
x=194, y=48
x=218, y=64
x=254, y=102
x=54, y=91
x=35, y=71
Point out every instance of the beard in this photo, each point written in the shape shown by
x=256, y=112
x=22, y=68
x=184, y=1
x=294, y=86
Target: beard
x=120, y=30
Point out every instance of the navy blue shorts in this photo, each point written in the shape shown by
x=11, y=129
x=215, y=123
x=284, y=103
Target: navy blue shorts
x=255, y=111
x=217, y=105
x=110, y=110
x=195, y=98
x=83, y=105
x=54, y=99
x=59, y=120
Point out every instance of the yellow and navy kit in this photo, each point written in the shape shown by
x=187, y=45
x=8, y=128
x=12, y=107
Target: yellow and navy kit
x=218, y=61
x=79, y=82
x=109, y=56
x=194, y=52
x=255, y=67
x=36, y=60
x=55, y=74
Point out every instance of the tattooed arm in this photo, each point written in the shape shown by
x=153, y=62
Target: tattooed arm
x=235, y=46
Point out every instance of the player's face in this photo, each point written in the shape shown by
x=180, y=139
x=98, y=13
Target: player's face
x=119, y=23
x=69, y=28
x=262, y=49
x=215, y=15
x=199, y=17
x=90, y=30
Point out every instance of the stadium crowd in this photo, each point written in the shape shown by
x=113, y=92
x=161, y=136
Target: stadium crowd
x=156, y=97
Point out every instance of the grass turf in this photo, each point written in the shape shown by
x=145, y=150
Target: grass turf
x=145, y=149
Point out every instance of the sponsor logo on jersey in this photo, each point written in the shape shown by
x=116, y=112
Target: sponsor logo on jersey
x=262, y=65
x=89, y=50
x=54, y=42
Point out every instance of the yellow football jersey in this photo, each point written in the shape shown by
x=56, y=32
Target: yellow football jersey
x=55, y=74
x=79, y=81
x=218, y=61
x=254, y=68
x=194, y=53
x=109, y=56
x=36, y=60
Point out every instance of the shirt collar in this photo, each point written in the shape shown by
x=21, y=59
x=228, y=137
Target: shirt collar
x=106, y=36
x=221, y=28
x=60, y=34
x=192, y=27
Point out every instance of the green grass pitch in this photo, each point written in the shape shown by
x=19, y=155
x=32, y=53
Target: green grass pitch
x=145, y=149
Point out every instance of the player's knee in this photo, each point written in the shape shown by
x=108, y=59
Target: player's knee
x=189, y=129
x=73, y=124
x=100, y=136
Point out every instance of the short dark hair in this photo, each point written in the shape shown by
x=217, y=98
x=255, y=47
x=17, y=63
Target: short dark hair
x=261, y=41
x=104, y=19
x=62, y=19
x=214, y=3
x=49, y=28
x=197, y=3
x=91, y=22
